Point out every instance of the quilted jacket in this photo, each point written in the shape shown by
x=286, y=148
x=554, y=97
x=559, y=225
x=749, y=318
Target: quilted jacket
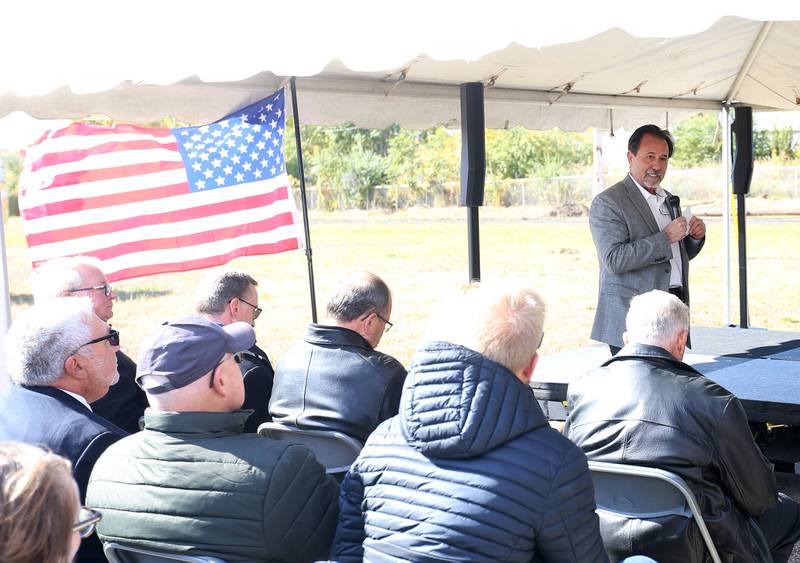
x=469, y=470
x=192, y=483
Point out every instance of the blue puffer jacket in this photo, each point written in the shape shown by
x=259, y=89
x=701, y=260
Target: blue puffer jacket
x=469, y=470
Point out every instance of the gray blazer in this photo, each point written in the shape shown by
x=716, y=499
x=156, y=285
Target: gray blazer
x=634, y=256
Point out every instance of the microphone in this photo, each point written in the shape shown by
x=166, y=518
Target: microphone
x=674, y=203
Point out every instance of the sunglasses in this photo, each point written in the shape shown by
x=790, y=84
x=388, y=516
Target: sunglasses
x=87, y=521
x=238, y=357
x=112, y=337
x=107, y=289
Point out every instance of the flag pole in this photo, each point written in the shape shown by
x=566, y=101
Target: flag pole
x=303, y=202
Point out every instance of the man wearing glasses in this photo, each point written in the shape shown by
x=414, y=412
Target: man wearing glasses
x=192, y=482
x=333, y=378
x=640, y=245
x=229, y=297
x=80, y=276
x=61, y=357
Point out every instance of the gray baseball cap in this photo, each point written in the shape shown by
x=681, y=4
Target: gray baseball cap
x=183, y=350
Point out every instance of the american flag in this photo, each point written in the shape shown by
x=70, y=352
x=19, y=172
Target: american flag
x=154, y=200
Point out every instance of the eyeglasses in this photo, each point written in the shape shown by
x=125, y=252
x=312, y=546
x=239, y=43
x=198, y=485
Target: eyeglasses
x=256, y=310
x=87, y=520
x=238, y=357
x=107, y=289
x=112, y=337
x=389, y=324
x=541, y=339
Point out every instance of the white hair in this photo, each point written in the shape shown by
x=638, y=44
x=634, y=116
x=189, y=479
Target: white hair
x=656, y=318
x=503, y=321
x=43, y=337
x=56, y=277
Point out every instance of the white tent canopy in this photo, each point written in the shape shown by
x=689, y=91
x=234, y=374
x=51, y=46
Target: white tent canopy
x=545, y=64
x=355, y=65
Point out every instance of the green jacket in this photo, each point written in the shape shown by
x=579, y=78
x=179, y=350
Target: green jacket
x=192, y=483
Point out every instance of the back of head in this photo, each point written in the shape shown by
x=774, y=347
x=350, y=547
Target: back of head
x=357, y=295
x=43, y=337
x=55, y=277
x=502, y=321
x=656, y=318
x=178, y=354
x=38, y=505
x=216, y=290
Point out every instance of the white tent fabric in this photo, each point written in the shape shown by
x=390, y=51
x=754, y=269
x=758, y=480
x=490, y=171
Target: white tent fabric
x=355, y=65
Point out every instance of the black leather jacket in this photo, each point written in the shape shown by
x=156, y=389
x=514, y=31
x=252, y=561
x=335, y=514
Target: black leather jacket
x=645, y=407
x=333, y=379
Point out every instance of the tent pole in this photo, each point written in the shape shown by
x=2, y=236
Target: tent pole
x=5, y=306
x=306, y=230
x=725, y=126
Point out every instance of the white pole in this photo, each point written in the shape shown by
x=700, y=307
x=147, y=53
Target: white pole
x=724, y=118
x=599, y=184
x=5, y=306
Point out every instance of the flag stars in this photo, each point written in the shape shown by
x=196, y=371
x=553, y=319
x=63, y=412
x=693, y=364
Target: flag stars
x=220, y=180
x=257, y=173
x=246, y=166
x=201, y=184
x=249, y=138
x=273, y=124
x=204, y=157
x=261, y=145
x=254, y=155
x=216, y=163
x=239, y=177
x=271, y=152
x=262, y=117
x=208, y=173
x=223, y=153
x=236, y=159
x=197, y=167
x=228, y=170
x=242, y=148
x=278, y=112
x=264, y=162
x=273, y=170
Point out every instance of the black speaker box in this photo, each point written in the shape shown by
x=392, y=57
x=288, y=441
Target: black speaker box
x=743, y=158
x=473, y=145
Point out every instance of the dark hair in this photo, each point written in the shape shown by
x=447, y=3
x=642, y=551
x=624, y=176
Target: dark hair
x=655, y=131
x=357, y=295
x=220, y=290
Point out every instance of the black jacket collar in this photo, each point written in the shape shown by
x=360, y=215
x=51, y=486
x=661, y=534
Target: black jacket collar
x=326, y=335
x=652, y=354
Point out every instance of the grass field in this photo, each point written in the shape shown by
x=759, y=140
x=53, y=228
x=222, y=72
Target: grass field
x=422, y=254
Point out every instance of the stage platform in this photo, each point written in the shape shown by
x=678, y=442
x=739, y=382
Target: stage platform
x=760, y=367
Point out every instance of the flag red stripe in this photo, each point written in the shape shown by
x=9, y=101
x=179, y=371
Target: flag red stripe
x=89, y=129
x=175, y=216
x=211, y=261
x=96, y=202
x=72, y=178
x=185, y=241
x=64, y=157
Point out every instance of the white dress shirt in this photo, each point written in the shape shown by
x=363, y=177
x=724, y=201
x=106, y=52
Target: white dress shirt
x=80, y=398
x=661, y=214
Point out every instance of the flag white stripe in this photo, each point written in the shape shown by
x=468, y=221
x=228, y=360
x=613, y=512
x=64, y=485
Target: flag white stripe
x=159, y=231
x=69, y=143
x=185, y=254
x=86, y=190
x=160, y=205
x=45, y=176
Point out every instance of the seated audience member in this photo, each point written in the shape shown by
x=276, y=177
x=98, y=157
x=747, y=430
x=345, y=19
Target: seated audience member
x=470, y=470
x=81, y=276
x=40, y=513
x=191, y=482
x=230, y=297
x=646, y=407
x=61, y=357
x=334, y=379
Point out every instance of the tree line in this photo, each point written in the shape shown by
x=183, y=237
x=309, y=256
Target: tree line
x=345, y=162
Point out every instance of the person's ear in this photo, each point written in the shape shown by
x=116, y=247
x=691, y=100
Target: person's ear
x=625, y=338
x=527, y=371
x=630, y=157
x=73, y=367
x=683, y=338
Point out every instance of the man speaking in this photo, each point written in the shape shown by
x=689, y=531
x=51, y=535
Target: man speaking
x=642, y=241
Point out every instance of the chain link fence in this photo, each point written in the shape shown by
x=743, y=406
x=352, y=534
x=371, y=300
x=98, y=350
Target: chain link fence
x=696, y=184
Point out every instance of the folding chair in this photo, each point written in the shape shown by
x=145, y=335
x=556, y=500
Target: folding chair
x=116, y=553
x=334, y=450
x=634, y=491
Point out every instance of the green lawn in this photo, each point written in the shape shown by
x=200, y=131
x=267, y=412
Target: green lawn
x=423, y=257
